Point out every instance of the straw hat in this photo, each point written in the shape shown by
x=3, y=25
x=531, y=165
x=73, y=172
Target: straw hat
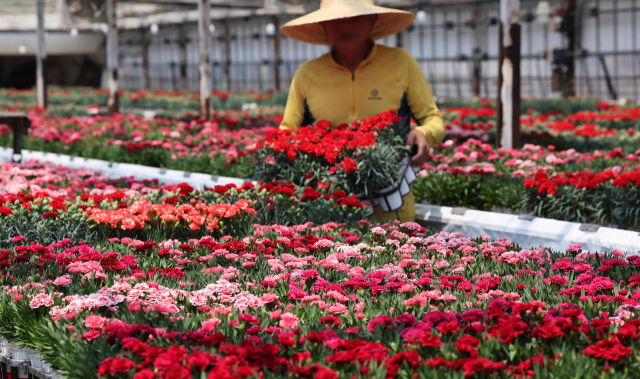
x=308, y=28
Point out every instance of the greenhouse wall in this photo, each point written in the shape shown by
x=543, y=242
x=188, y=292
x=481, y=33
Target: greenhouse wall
x=447, y=43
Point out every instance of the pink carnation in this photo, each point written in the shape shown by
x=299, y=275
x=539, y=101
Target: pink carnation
x=574, y=247
x=288, y=320
x=211, y=322
x=40, y=300
x=95, y=322
x=268, y=298
x=63, y=280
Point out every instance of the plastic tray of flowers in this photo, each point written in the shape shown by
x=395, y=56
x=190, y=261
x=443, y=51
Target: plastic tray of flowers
x=391, y=198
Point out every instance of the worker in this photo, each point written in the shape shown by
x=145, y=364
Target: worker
x=358, y=78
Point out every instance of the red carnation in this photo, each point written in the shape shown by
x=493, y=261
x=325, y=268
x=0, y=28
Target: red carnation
x=406, y=319
x=508, y=329
x=547, y=331
x=251, y=319
x=117, y=196
x=310, y=194
x=6, y=211
x=349, y=165
x=58, y=204
x=50, y=215
x=350, y=201
x=608, y=349
x=144, y=374
x=448, y=327
x=199, y=360
x=470, y=366
x=330, y=320
x=383, y=320
x=171, y=200
x=115, y=365
x=467, y=344
x=284, y=191
x=339, y=193
x=411, y=358
x=438, y=362
x=628, y=331
x=429, y=340
x=185, y=189
x=286, y=339
x=325, y=373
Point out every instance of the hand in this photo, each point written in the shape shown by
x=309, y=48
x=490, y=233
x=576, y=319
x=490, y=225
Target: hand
x=417, y=138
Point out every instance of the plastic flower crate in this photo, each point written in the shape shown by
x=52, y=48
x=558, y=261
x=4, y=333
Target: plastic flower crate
x=390, y=199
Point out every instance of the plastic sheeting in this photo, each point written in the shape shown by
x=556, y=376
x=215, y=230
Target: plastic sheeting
x=526, y=230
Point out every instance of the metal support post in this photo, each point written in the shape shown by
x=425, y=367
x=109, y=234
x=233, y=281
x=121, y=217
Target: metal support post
x=204, y=37
x=145, y=58
x=276, y=54
x=227, y=55
x=477, y=52
x=113, y=103
x=41, y=56
x=182, y=44
x=508, y=123
x=569, y=26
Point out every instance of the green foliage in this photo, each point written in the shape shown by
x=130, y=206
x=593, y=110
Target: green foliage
x=603, y=205
x=471, y=191
x=280, y=209
x=30, y=224
x=562, y=105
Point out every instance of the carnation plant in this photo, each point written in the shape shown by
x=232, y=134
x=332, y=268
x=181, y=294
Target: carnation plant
x=326, y=301
x=171, y=211
x=361, y=158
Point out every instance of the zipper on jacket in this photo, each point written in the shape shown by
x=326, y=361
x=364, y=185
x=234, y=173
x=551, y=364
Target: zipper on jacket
x=353, y=94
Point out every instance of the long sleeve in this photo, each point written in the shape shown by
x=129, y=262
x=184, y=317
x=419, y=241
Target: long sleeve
x=294, y=110
x=423, y=105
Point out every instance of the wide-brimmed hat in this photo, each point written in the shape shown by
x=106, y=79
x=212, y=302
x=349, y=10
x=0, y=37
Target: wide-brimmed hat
x=308, y=28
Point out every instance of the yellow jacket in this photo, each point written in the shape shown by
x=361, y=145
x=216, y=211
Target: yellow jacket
x=389, y=78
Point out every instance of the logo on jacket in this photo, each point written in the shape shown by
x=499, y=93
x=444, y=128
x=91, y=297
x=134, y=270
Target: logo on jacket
x=374, y=95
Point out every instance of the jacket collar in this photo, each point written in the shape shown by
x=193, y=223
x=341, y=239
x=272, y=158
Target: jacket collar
x=365, y=62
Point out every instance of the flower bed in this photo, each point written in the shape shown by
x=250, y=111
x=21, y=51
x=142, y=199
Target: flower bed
x=196, y=146
x=192, y=146
x=129, y=279
x=83, y=203
x=321, y=301
x=598, y=187
x=470, y=174
x=604, y=127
